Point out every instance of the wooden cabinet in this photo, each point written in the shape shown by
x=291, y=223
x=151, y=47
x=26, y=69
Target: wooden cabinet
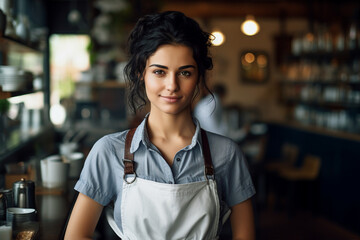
x=334, y=105
x=321, y=86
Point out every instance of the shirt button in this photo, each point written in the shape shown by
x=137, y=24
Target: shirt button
x=178, y=159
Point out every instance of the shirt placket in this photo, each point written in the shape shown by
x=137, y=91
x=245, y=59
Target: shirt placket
x=177, y=165
x=163, y=164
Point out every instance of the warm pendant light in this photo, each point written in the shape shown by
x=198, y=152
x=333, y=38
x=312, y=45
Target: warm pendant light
x=218, y=38
x=250, y=27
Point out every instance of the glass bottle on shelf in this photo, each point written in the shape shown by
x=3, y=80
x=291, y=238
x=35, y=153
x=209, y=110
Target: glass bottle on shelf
x=351, y=36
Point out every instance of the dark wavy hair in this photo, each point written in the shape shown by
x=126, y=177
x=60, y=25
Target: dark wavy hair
x=152, y=31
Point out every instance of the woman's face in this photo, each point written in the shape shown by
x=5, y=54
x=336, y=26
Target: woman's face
x=170, y=76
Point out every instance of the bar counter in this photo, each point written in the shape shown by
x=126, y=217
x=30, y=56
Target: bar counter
x=53, y=207
x=336, y=197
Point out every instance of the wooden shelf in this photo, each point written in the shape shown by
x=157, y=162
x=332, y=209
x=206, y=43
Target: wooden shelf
x=4, y=95
x=8, y=44
x=322, y=55
x=292, y=94
x=337, y=105
x=319, y=82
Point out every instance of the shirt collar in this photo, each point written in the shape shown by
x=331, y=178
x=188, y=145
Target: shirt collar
x=141, y=136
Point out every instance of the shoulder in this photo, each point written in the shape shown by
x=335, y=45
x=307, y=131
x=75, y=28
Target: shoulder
x=224, y=151
x=110, y=143
x=112, y=138
x=218, y=141
x=105, y=154
x=217, y=137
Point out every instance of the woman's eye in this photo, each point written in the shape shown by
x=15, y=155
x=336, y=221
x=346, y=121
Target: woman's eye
x=159, y=72
x=185, y=73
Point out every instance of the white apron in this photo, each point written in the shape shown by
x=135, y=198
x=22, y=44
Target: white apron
x=160, y=211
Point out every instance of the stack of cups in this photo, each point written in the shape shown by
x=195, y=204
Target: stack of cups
x=54, y=171
x=57, y=169
x=76, y=159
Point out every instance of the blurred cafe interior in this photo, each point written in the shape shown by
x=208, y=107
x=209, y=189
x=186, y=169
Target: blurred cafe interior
x=292, y=79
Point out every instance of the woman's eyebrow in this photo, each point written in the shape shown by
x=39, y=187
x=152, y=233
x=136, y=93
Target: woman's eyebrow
x=186, y=66
x=158, y=65
x=164, y=67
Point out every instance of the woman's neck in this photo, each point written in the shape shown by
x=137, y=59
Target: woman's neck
x=170, y=133
x=167, y=126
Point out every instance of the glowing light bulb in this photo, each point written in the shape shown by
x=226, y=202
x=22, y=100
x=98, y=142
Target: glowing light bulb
x=218, y=38
x=250, y=27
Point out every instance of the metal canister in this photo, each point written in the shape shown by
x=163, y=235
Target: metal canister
x=24, y=190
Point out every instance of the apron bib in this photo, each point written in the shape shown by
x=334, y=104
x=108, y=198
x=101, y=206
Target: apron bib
x=160, y=211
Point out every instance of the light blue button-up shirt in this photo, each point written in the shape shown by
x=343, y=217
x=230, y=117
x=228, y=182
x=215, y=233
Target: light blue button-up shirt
x=102, y=176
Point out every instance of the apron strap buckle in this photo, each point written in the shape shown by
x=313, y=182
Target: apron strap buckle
x=209, y=172
x=132, y=180
x=129, y=170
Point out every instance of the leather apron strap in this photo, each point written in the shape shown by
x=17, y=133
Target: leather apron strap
x=129, y=157
x=209, y=169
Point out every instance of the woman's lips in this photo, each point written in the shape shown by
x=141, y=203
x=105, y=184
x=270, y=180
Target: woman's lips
x=170, y=99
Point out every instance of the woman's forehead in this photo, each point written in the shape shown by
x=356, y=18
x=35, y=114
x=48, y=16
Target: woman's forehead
x=172, y=54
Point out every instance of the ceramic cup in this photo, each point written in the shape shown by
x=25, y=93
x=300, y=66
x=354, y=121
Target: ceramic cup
x=20, y=215
x=20, y=218
x=54, y=171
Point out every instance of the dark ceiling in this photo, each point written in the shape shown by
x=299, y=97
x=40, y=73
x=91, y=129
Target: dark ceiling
x=323, y=9
x=320, y=10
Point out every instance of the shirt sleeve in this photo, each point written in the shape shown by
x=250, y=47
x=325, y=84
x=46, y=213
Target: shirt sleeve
x=237, y=184
x=96, y=179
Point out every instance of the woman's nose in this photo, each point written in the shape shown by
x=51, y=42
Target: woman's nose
x=171, y=83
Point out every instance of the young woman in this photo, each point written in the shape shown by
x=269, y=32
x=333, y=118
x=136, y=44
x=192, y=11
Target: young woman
x=167, y=179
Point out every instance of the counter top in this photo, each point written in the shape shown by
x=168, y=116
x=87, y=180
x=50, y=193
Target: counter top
x=53, y=207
